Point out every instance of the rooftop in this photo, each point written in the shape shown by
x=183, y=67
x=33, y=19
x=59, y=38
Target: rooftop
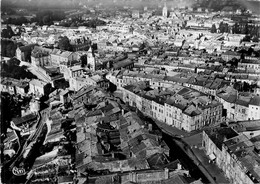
x=24, y=119
x=219, y=135
x=243, y=149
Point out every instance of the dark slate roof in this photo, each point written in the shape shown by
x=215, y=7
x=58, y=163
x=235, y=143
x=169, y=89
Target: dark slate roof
x=122, y=64
x=27, y=47
x=255, y=101
x=21, y=120
x=218, y=135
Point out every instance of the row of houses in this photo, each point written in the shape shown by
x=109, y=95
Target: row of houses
x=34, y=86
x=177, y=106
x=220, y=89
x=40, y=56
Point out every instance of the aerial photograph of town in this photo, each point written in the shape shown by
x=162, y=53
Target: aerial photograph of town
x=130, y=91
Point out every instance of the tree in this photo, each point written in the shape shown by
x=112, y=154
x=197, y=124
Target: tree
x=245, y=29
x=64, y=43
x=46, y=19
x=7, y=33
x=246, y=38
x=226, y=30
x=250, y=51
x=73, y=24
x=255, y=39
x=213, y=29
x=235, y=28
x=14, y=62
x=221, y=27
x=10, y=49
x=20, y=21
x=84, y=60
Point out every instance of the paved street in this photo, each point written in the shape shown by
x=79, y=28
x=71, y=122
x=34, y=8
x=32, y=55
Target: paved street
x=195, y=143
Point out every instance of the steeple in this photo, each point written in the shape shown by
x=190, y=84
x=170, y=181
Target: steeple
x=165, y=10
x=91, y=59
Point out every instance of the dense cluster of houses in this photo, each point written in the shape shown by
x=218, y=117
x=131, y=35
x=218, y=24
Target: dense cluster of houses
x=183, y=78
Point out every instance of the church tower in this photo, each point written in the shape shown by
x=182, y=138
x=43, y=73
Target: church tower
x=165, y=11
x=91, y=59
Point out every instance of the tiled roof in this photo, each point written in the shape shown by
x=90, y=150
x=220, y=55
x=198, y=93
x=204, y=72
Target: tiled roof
x=24, y=119
x=255, y=101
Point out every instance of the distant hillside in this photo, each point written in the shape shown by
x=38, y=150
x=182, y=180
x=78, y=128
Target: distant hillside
x=253, y=5
x=218, y=5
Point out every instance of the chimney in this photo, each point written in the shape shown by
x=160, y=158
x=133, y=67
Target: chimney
x=196, y=105
x=150, y=127
x=166, y=173
x=224, y=139
x=179, y=167
x=122, y=111
x=113, y=154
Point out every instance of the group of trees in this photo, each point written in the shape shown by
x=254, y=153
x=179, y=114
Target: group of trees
x=17, y=21
x=92, y=23
x=244, y=86
x=223, y=28
x=83, y=60
x=252, y=32
x=45, y=17
x=64, y=43
x=12, y=69
x=7, y=33
x=8, y=48
x=13, y=110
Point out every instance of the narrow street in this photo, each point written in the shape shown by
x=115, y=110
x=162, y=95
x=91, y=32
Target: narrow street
x=20, y=163
x=176, y=152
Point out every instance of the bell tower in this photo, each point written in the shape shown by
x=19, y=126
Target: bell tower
x=165, y=11
x=91, y=59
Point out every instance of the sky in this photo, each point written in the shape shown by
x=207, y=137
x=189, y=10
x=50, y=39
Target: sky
x=133, y=3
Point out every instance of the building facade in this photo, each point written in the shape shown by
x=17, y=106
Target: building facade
x=231, y=152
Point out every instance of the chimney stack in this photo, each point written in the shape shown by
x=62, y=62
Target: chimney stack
x=150, y=127
x=166, y=173
x=179, y=167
